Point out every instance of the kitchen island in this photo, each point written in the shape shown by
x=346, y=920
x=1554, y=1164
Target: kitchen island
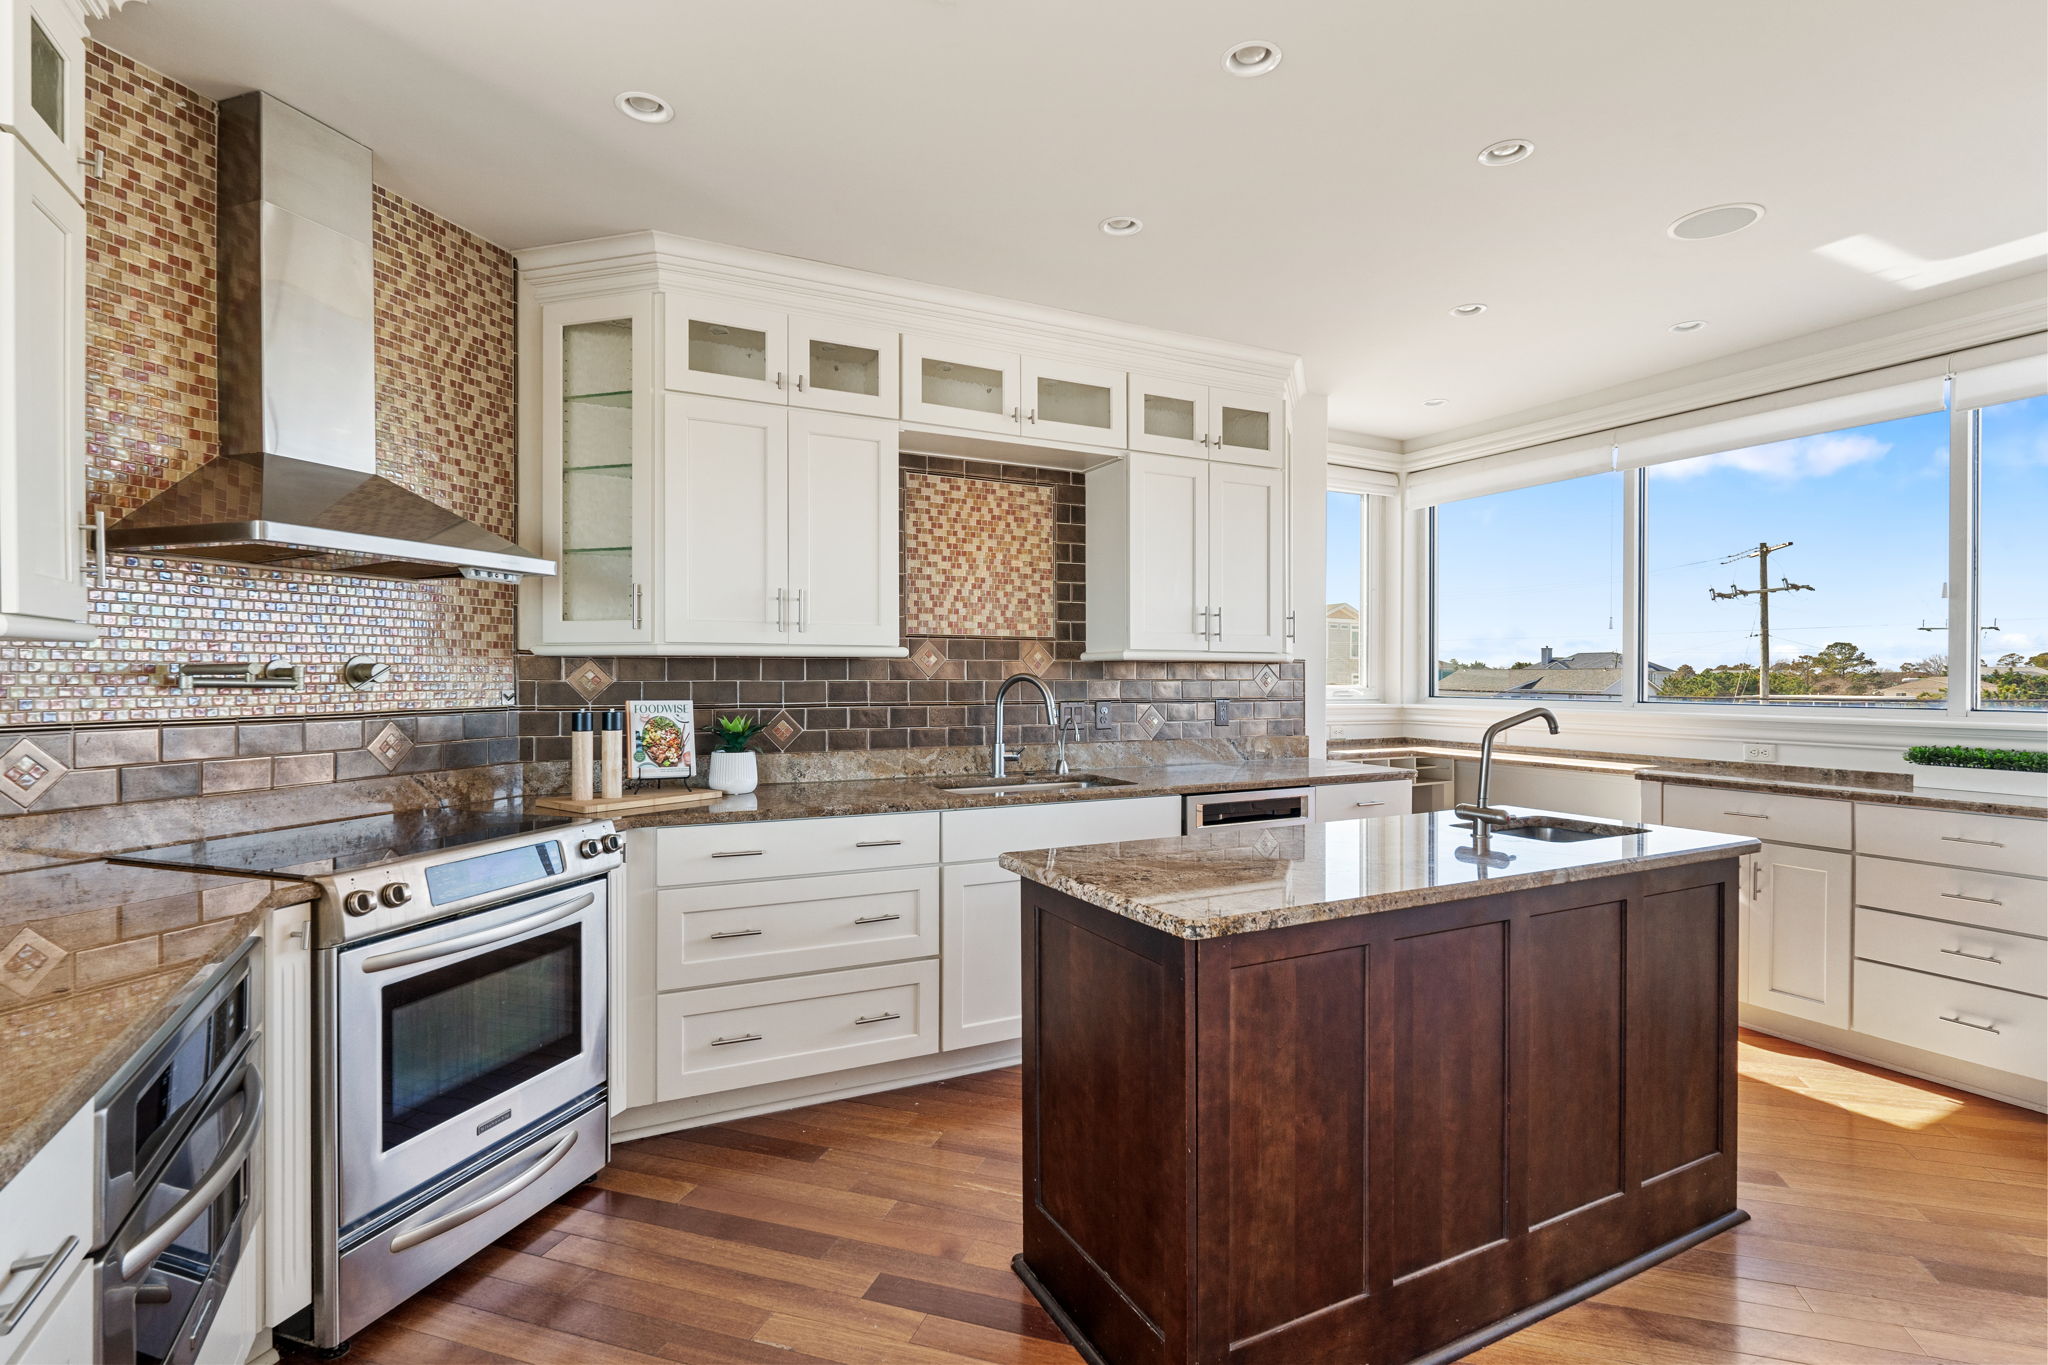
x=1369, y=1090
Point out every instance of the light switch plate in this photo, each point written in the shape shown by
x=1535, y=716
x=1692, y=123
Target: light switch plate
x=1759, y=753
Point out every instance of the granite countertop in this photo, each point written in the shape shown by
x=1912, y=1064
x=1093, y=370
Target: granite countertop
x=1241, y=881
x=878, y=795
x=1855, y=787
x=1573, y=760
x=94, y=958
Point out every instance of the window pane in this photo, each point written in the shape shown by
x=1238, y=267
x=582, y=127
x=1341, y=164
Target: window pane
x=1528, y=592
x=2012, y=592
x=1344, y=606
x=1857, y=525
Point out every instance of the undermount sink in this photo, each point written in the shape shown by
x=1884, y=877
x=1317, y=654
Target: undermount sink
x=1560, y=832
x=1025, y=786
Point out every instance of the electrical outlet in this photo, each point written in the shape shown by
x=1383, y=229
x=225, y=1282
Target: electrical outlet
x=1222, y=711
x=1759, y=753
x=1102, y=720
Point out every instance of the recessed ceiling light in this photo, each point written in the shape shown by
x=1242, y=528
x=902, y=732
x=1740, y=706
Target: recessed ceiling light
x=1690, y=325
x=1717, y=221
x=1251, y=59
x=638, y=104
x=1468, y=310
x=1122, y=226
x=1434, y=402
x=1507, y=152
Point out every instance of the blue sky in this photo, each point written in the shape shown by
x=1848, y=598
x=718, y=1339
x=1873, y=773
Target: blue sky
x=1866, y=510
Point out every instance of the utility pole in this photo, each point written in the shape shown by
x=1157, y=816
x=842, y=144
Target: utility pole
x=1762, y=593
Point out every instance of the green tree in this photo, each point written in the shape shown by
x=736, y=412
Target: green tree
x=1841, y=667
x=1730, y=680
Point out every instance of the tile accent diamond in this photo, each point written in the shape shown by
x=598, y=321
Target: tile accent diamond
x=27, y=959
x=390, y=746
x=26, y=772
x=1267, y=678
x=1035, y=658
x=1151, y=722
x=589, y=679
x=783, y=730
x=928, y=658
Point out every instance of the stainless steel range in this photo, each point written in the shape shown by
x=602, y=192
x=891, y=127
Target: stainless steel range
x=460, y=1007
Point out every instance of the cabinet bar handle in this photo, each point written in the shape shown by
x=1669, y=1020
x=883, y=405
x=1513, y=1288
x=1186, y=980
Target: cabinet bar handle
x=878, y=843
x=737, y=933
x=1974, y=900
x=637, y=595
x=46, y=1268
x=877, y=1018
x=1756, y=880
x=781, y=620
x=1981, y=1028
x=1361, y=805
x=1219, y=623
x=799, y=383
x=876, y=919
x=1745, y=815
x=736, y=1038
x=1993, y=959
x=802, y=622
x=1981, y=843
x=1204, y=614
x=778, y=381
x=739, y=853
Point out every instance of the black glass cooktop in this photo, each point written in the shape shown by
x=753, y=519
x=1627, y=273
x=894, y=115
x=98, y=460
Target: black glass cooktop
x=347, y=845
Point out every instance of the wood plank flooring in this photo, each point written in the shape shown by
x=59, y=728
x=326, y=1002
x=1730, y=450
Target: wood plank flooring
x=1894, y=1222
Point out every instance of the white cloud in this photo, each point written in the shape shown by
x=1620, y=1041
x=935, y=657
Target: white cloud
x=1805, y=457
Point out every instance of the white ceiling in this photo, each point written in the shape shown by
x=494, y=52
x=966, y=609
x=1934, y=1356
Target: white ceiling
x=1333, y=208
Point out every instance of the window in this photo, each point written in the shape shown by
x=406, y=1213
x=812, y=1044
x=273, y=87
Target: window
x=1345, y=538
x=2012, y=584
x=1527, y=592
x=1829, y=550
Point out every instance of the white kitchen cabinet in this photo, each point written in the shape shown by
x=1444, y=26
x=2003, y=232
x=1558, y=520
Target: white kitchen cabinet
x=42, y=400
x=981, y=974
x=728, y=348
x=958, y=384
x=842, y=366
x=844, y=564
x=743, y=931
x=1800, y=918
x=1169, y=417
x=42, y=84
x=1247, y=428
x=45, y=1232
x=1065, y=402
x=286, y=1264
x=1186, y=559
x=60, y=1328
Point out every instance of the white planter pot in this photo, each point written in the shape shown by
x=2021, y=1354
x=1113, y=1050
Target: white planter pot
x=1990, y=781
x=734, y=774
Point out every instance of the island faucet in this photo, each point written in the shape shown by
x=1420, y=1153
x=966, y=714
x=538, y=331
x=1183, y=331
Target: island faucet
x=1000, y=754
x=1480, y=813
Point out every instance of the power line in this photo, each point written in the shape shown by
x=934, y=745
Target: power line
x=1762, y=593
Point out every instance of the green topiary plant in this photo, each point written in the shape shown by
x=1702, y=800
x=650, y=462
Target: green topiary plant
x=734, y=733
x=1965, y=756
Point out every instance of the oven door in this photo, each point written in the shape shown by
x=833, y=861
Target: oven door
x=456, y=1037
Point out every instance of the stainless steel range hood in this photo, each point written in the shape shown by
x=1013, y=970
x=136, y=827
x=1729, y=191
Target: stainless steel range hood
x=296, y=485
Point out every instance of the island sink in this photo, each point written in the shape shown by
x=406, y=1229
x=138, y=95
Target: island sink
x=1552, y=830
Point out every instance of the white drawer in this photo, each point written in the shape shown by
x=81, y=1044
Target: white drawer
x=726, y=1037
x=47, y=1205
x=1363, y=800
x=695, y=854
x=741, y=931
x=2013, y=961
x=1982, y=1024
x=973, y=836
x=1995, y=843
x=1815, y=821
x=2017, y=905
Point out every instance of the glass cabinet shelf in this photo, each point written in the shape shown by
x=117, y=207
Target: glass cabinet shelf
x=622, y=399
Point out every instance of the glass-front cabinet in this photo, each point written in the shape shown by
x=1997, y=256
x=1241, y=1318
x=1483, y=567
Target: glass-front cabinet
x=42, y=84
x=1169, y=417
x=731, y=349
x=596, y=478
x=1066, y=402
x=958, y=384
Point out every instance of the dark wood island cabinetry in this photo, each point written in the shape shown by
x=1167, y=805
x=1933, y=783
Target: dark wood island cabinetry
x=1361, y=1093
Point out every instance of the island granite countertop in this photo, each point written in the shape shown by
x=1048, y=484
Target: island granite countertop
x=1242, y=881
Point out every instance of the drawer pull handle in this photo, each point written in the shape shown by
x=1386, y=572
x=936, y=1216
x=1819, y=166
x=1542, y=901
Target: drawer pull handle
x=1745, y=815
x=1994, y=959
x=737, y=933
x=1361, y=805
x=1981, y=1028
x=46, y=1268
x=736, y=1038
x=876, y=919
x=878, y=843
x=740, y=853
x=877, y=1018
x=1981, y=843
x=1974, y=900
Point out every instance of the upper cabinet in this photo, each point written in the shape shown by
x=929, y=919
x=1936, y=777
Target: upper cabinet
x=1172, y=418
x=732, y=349
x=42, y=85
x=958, y=384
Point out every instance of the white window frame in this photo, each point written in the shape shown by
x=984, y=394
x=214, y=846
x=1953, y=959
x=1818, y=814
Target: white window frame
x=1379, y=573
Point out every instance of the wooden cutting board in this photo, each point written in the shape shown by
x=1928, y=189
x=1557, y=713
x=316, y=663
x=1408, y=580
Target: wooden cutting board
x=623, y=805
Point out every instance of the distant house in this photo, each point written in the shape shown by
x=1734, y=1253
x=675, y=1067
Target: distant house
x=1346, y=657
x=1911, y=688
x=1588, y=673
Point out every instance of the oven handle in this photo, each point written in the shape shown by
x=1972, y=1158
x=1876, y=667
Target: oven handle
x=138, y=1257
x=427, y=952
x=448, y=1222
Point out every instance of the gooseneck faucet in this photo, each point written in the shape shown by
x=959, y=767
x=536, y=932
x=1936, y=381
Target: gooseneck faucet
x=1000, y=754
x=1480, y=813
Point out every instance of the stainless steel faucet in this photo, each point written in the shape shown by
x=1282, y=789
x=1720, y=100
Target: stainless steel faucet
x=1000, y=755
x=1480, y=813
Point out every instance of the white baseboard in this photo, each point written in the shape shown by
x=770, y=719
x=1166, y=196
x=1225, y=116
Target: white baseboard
x=649, y=1120
x=2023, y=1091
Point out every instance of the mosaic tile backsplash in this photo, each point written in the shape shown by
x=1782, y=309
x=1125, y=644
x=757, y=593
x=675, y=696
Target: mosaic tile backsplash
x=986, y=551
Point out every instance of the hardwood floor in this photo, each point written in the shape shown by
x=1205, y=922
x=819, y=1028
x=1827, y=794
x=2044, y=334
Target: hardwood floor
x=1893, y=1222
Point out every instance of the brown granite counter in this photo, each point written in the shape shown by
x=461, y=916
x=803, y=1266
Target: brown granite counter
x=1241, y=881
x=878, y=795
x=1931, y=798
x=94, y=958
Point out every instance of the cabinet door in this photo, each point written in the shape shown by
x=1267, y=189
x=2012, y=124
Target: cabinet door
x=65, y=1332
x=1169, y=417
x=42, y=84
x=841, y=366
x=981, y=965
x=287, y=1264
x=1247, y=560
x=1799, y=923
x=725, y=523
x=959, y=384
x=726, y=349
x=597, y=469
x=844, y=569
x=1245, y=428
x=42, y=403
x=1169, y=529
x=1064, y=402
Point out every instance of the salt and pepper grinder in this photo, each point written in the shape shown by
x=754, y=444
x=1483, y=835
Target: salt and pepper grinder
x=611, y=755
x=582, y=755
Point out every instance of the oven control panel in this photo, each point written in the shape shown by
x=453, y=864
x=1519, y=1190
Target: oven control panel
x=374, y=900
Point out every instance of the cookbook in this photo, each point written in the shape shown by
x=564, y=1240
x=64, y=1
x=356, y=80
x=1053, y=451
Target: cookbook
x=663, y=736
